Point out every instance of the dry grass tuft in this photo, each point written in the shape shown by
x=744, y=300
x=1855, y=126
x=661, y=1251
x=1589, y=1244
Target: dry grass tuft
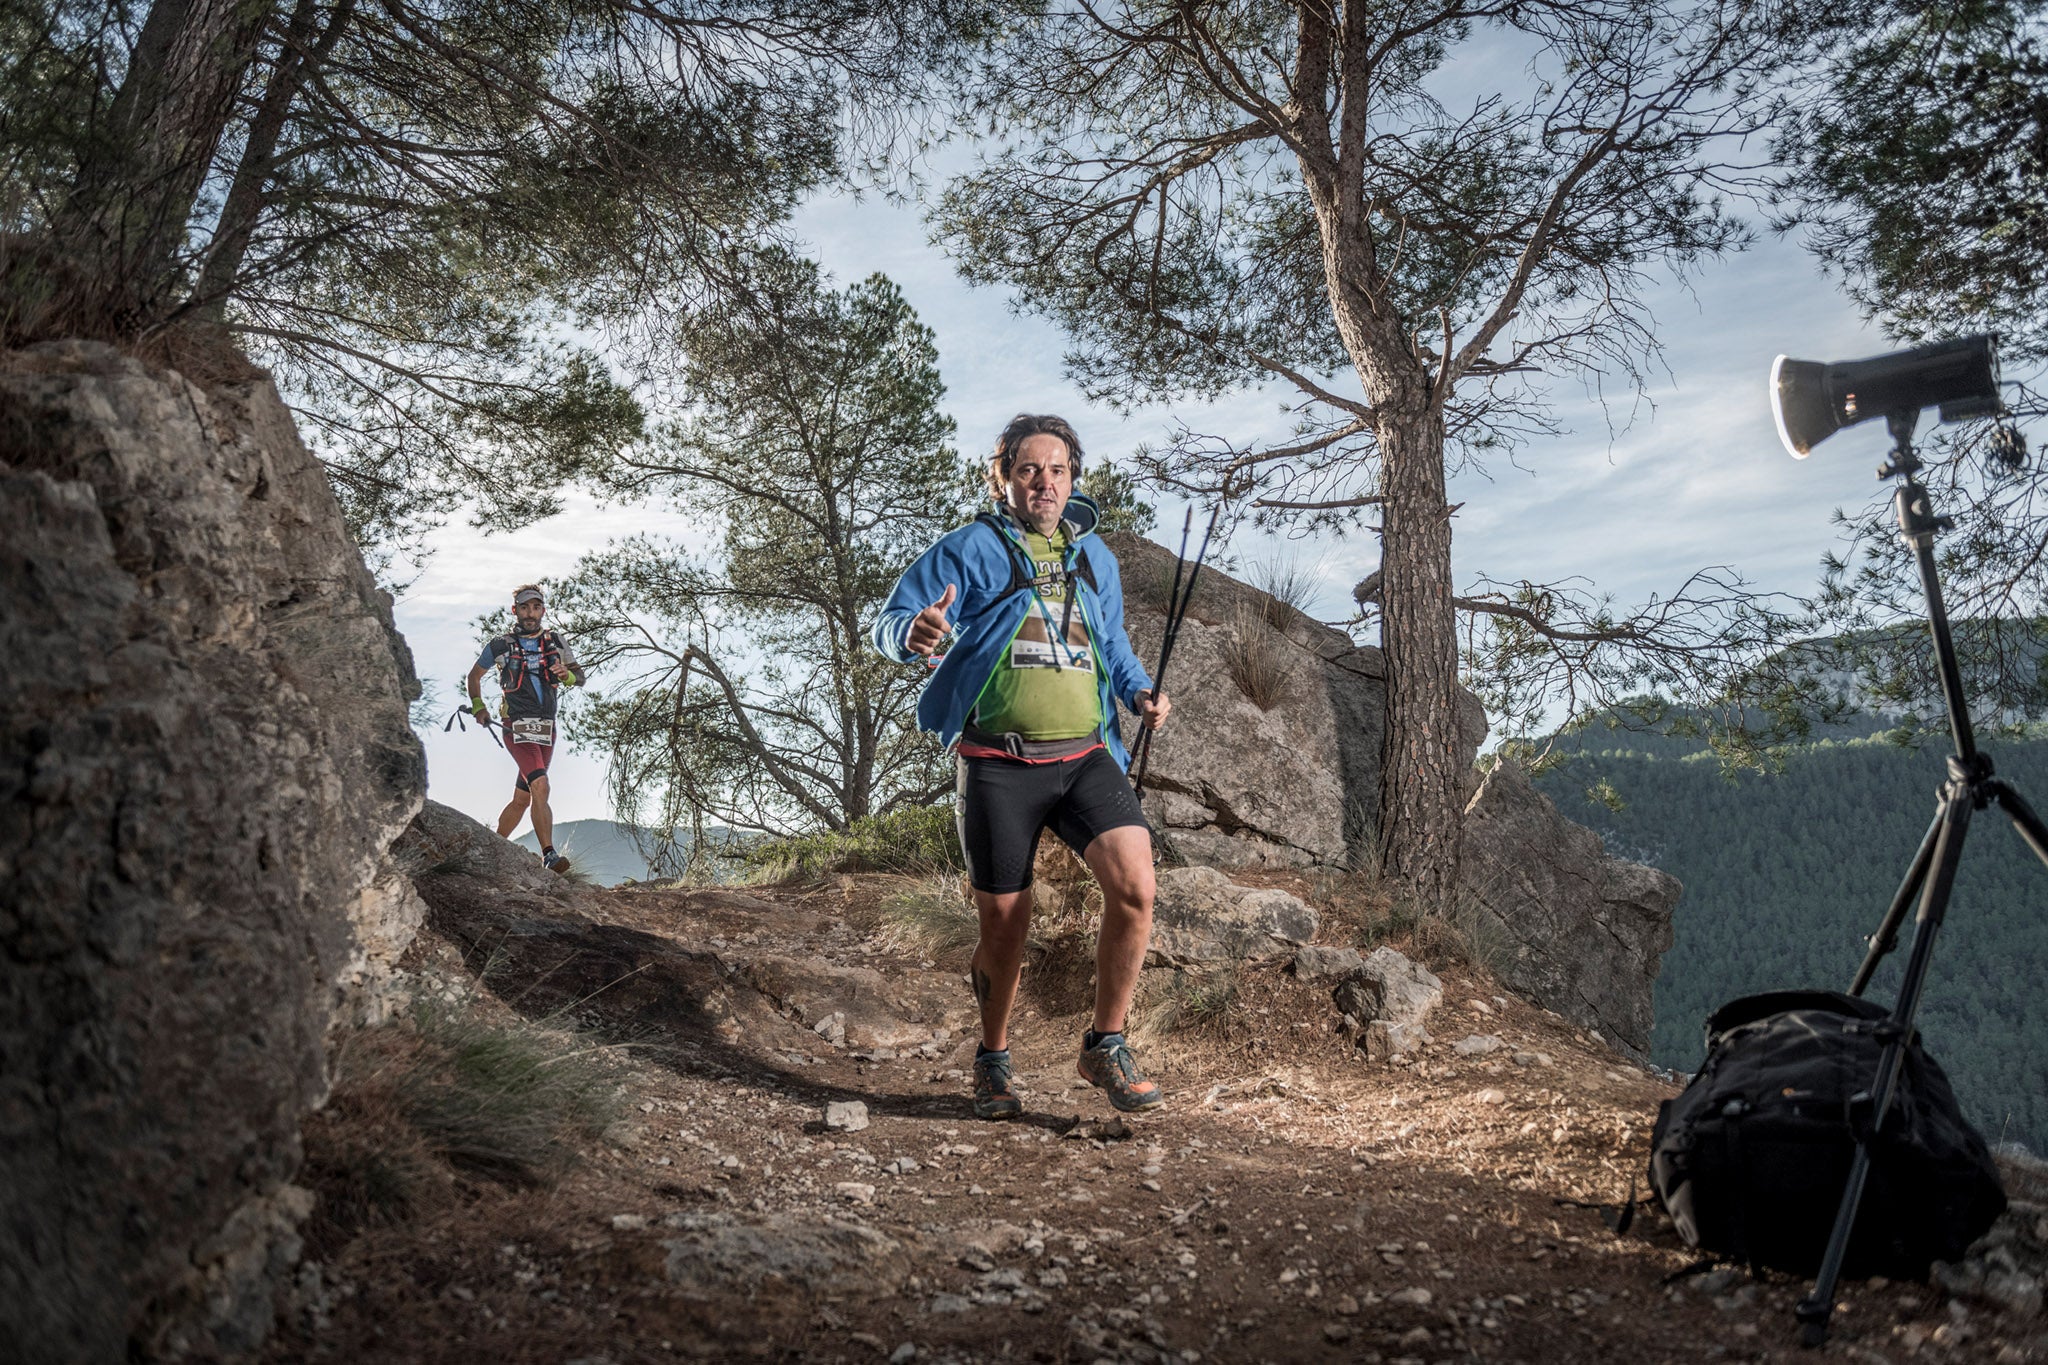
x=419, y=1105
x=1290, y=586
x=934, y=918
x=1253, y=658
x=1188, y=1002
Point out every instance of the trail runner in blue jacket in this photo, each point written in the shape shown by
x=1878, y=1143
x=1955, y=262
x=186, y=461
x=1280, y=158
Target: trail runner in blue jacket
x=1029, y=604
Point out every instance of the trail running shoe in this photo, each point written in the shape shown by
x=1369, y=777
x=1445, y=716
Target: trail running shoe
x=1111, y=1066
x=557, y=862
x=993, y=1096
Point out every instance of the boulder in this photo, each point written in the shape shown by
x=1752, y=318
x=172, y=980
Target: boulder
x=1384, y=1041
x=1201, y=917
x=1290, y=780
x=1314, y=964
x=203, y=702
x=1579, y=932
x=1390, y=989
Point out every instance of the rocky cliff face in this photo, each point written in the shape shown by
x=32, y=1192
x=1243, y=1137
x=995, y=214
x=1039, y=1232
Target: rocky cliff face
x=1584, y=932
x=1273, y=758
x=1273, y=754
x=203, y=717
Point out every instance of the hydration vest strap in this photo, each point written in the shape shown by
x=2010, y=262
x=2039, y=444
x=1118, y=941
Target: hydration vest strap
x=1023, y=573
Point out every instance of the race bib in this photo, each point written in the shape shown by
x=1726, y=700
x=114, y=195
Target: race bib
x=1072, y=658
x=531, y=730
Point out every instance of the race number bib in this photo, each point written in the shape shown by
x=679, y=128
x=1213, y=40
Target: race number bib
x=531, y=730
x=1026, y=653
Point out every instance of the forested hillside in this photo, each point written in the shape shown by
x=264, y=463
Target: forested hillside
x=1786, y=874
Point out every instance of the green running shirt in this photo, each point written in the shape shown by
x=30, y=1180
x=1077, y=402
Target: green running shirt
x=1044, y=686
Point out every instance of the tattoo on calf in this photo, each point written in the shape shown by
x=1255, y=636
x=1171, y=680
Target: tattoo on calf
x=982, y=985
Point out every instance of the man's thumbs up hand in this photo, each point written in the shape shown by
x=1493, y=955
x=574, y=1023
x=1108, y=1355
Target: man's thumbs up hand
x=930, y=627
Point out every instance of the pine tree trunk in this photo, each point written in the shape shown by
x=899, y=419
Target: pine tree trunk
x=1421, y=814
x=125, y=221
x=248, y=194
x=1421, y=806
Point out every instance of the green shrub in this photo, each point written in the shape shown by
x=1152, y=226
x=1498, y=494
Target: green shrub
x=919, y=840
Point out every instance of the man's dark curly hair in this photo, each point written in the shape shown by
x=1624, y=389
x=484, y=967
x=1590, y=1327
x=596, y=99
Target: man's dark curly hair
x=1021, y=428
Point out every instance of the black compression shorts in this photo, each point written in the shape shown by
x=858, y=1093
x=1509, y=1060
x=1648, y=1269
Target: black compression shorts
x=1004, y=803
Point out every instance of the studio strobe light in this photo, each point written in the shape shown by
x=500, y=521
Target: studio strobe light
x=1811, y=401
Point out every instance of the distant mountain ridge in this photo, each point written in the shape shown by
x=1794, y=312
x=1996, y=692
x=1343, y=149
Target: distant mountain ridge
x=1785, y=874
x=604, y=849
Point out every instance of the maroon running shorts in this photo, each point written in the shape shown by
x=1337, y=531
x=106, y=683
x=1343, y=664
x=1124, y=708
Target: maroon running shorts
x=532, y=760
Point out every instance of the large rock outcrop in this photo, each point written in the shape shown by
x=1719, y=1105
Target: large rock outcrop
x=1288, y=778
x=1583, y=932
x=207, y=755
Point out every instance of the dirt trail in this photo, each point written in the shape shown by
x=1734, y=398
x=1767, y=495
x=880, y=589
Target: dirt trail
x=1292, y=1202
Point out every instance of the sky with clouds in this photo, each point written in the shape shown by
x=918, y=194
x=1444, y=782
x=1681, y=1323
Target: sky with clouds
x=1698, y=478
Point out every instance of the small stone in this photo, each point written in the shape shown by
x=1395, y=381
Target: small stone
x=1151, y=1185
x=1961, y=1278
x=1476, y=1045
x=1347, y=1306
x=951, y=1303
x=1532, y=1059
x=628, y=1222
x=730, y=1163
x=847, y=1116
x=1717, y=1282
x=1334, y=1332
x=903, y=1354
x=1417, y=1297
x=902, y=1165
x=976, y=1257
x=832, y=1028
x=854, y=1192
x=2015, y=1291
x=1416, y=1336
x=1490, y=1096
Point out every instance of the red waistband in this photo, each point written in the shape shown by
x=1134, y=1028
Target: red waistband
x=984, y=751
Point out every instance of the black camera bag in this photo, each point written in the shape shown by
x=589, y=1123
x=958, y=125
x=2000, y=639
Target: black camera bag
x=1751, y=1159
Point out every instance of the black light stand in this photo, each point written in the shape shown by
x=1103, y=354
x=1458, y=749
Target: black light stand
x=1970, y=787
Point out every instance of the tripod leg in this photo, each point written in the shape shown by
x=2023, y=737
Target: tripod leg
x=2023, y=818
x=1952, y=825
x=1887, y=936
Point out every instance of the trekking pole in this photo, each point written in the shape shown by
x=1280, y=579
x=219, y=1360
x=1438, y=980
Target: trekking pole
x=1176, y=612
x=456, y=720
x=1143, y=745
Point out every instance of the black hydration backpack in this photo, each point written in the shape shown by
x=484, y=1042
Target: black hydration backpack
x=1751, y=1159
